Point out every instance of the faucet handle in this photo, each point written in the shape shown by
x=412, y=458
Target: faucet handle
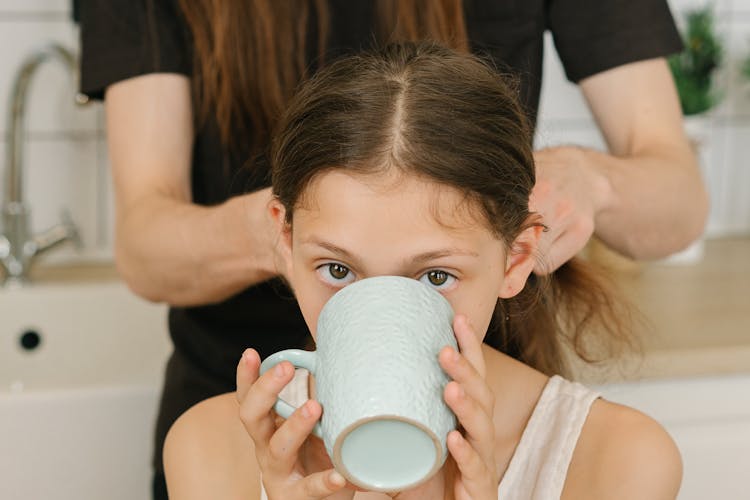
x=66, y=230
x=73, y=234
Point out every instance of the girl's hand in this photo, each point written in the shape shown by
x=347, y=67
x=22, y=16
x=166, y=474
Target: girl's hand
x=473, y=403
x=277, y=447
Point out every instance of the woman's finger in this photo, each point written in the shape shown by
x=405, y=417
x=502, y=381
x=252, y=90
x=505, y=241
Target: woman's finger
x=284, y=445
x=319, y=485
x=479, y=428
x=567, y=244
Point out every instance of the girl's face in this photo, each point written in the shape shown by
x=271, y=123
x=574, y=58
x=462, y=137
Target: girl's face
x=351, y=227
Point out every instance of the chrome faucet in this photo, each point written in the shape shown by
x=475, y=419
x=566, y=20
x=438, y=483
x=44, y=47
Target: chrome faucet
x=18, y=246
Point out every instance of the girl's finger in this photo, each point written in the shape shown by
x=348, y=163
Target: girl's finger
x=247, y=372
x=285, y=443
x=480, y=430
x=475, y=474
x=459, y=490
x=256, y=408
x=319, y=485
x=459, y=369
x=469, y=343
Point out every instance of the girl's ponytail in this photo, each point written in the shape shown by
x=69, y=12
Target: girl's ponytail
x=577, y=305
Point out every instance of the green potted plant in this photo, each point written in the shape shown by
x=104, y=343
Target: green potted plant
x=746, y=68
x=695, y=71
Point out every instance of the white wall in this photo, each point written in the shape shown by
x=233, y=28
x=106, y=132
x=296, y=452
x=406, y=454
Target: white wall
x=66, y=159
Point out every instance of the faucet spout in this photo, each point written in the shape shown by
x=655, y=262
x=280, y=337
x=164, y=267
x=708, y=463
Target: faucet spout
x=17, y=115
x=17, y=246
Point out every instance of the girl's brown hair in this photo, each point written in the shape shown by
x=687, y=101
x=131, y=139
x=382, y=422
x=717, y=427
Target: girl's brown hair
x=251, y=54
x=447, y=116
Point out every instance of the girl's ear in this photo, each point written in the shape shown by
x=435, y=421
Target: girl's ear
x=284, y=231
x=520, y=262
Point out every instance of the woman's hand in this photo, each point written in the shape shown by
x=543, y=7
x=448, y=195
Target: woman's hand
x=568, y=194
x=473, y=403
x=277, y=448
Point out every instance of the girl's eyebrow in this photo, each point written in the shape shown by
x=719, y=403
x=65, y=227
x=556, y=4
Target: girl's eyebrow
x=416, y=259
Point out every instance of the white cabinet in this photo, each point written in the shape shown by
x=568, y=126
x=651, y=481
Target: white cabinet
x=709, y=419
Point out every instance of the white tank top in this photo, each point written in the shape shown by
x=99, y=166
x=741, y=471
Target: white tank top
x=539, y=465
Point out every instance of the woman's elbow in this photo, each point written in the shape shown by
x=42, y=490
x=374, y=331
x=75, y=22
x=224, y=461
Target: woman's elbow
x=134, y=277
x=696, y=207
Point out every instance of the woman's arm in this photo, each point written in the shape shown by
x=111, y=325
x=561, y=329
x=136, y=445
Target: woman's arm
x=645, y=198
x=167, y=248
x=659, y=203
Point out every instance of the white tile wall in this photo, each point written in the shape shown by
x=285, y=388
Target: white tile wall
x=66, y=152
x=51, y=104
x=65, y=160
x=564, y=117
x=35, y=6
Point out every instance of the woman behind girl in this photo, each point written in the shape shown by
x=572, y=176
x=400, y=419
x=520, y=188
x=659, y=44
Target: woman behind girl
x=417, y=161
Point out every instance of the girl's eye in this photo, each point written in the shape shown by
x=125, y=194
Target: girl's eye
x=438, y=279
x=335, y=274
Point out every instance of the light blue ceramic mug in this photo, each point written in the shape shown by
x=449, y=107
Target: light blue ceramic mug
x=378, y=380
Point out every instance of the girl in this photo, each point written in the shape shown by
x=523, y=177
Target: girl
x=417, y=162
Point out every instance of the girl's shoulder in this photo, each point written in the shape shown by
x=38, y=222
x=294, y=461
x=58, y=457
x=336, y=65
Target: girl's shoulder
x=206, y=448
x=622, y=453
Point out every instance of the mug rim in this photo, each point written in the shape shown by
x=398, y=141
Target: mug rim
x=341, y=466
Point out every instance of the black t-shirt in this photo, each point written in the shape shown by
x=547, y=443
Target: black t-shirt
x=125, y=38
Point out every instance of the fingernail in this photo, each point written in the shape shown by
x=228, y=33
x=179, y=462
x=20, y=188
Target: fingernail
x=246, y=356
x=457, y=439
x=337, y=478
x=305, y=411
x=279, y=371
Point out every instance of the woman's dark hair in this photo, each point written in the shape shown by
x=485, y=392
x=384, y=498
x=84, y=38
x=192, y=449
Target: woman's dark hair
x=250, y=54
x=446, y=116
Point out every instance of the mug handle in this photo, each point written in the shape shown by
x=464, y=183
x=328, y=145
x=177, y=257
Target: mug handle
x=300, y=359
